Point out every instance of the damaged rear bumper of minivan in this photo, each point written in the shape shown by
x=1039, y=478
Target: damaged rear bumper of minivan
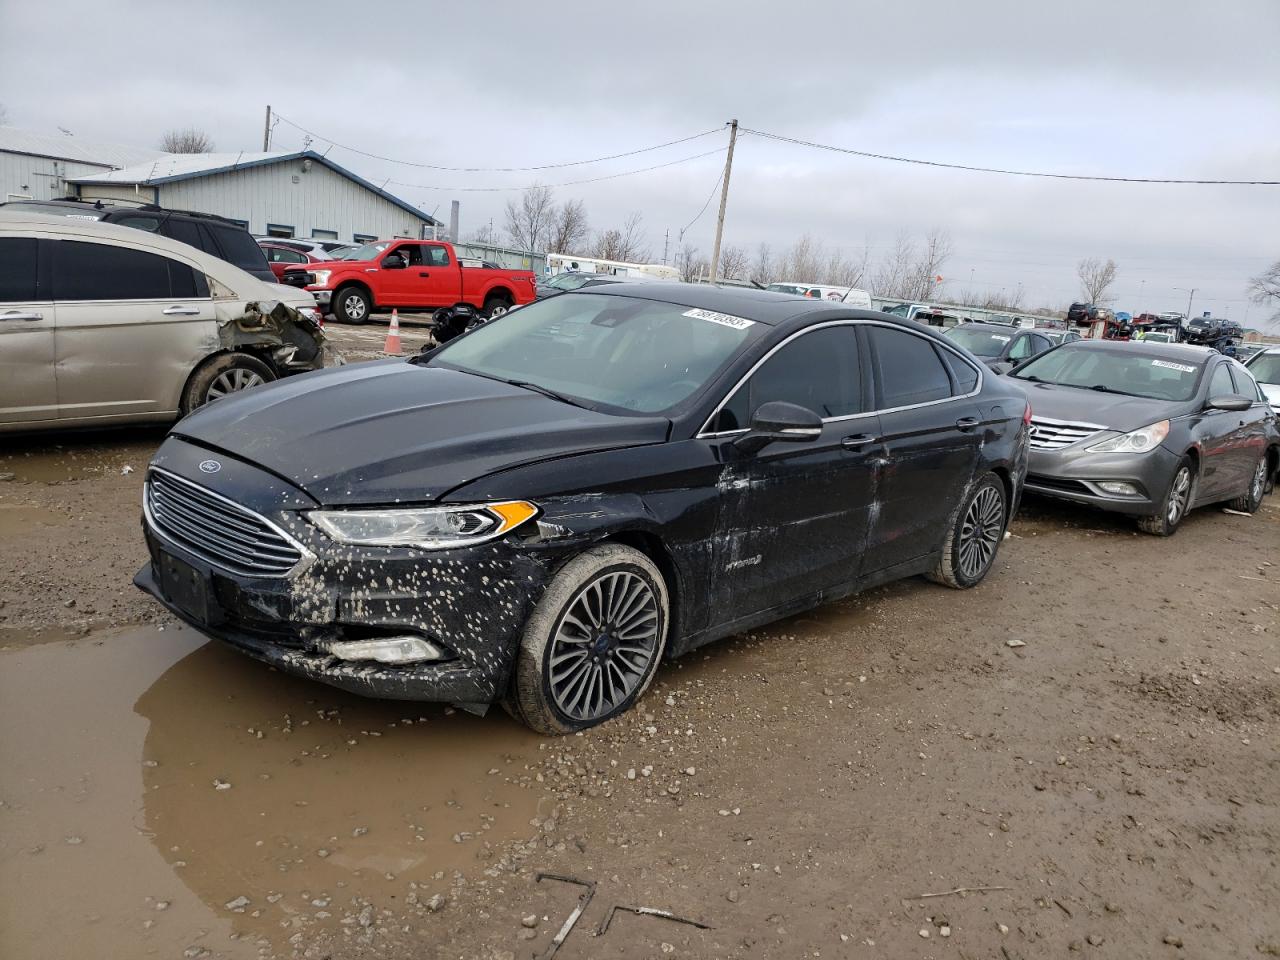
x=465, y=607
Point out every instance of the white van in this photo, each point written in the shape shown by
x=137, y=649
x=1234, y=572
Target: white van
x=850, y=296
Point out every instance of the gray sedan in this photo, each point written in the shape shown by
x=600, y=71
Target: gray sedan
x=1150, y=430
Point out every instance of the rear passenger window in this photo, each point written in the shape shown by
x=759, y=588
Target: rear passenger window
x=149, y=224
x=910, y=370
x=436, y=256
x=184, y=231
x=96, y=271
x=818, y=371
x=965, y=376
x=238, y=247
x=17, y=269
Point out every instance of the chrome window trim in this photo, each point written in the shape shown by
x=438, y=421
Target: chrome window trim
x=704, y=434
x=306, y=560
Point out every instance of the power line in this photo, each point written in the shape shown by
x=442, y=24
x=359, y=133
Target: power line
x=685, y=228
x=1012, y=173
x=543, y=166
x=567, y=183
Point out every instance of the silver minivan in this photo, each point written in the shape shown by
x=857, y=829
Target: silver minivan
x=104, y=325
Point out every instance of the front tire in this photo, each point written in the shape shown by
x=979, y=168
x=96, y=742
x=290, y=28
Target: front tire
x=593, y=642
x=222, y=376
x=352, y=305
x=1175, y=504
x=1252, y=499
x=975, y=535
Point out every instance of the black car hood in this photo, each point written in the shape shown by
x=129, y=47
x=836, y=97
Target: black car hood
x=387, y=432
x=1110, y=410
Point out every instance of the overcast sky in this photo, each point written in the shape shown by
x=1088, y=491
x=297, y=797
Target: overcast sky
x=1144, y=88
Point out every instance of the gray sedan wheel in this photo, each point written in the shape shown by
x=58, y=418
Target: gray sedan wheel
x=1252, y=499
x=593, y=642
x=1176, y=503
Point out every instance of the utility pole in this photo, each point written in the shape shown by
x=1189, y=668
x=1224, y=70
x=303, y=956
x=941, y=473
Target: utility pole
x=266, y=131
x=724, y=200
x=666, y=242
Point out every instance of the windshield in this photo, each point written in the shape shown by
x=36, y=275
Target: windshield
x=1265, y=368
x=899, y=310
x=639, y=355
x=370, y=251
x=787, y=288
x=1132, y=371
x=981, y=343
x=569, y=281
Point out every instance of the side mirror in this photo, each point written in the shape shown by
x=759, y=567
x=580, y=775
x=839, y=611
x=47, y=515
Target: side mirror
x=393, y=262
x=779, y=422
x=1229, y=401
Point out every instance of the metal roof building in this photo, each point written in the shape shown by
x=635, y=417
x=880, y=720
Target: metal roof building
x=283, y=194
x=280, y=193
x=36, y=166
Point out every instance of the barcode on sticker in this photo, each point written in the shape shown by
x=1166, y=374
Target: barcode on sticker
x=1173, y=366
x=724, y=319
x=1002, y=339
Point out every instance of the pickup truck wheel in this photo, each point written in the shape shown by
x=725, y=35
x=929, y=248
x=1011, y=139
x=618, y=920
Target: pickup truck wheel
x=496, y=307
x=352, y=305
x=221, y=376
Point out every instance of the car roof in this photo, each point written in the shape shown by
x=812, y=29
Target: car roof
x=1173, y=351
x=1002, y=327
x=763, y=306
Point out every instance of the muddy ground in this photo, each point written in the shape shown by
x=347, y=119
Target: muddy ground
x=1107, y=786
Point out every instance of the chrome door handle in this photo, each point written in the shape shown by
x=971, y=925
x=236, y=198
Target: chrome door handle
x=181, y=311
x=967, y=423
x=18, y=315
x=857, y=441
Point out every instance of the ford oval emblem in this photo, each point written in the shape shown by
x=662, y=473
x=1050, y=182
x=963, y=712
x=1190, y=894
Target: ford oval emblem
x=210, y=466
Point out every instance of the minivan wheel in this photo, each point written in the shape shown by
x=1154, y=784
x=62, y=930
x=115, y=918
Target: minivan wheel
x=1252, y=499
x=1176, y=502
x=352, y=305
x=224, y=375
x=975, y=535
x=593, y=642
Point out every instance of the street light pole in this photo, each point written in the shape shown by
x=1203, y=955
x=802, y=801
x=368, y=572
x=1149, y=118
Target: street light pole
x=1190, y=296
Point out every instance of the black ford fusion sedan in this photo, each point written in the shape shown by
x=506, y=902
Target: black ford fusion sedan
x=1148, y=429
x=540, y=511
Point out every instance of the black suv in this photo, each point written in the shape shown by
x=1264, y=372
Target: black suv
x=217, y=236
x=1208, y=330
x=1082, y=314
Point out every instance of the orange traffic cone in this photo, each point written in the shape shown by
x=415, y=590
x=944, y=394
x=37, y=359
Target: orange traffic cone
x=392, y=346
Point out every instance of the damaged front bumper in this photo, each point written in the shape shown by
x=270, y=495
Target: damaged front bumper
x=467, y=605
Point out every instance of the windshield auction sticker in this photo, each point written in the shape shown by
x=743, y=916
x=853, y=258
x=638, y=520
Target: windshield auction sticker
x=724, y=319
x=1173, y=366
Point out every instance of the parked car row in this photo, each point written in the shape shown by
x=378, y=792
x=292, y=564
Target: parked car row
x=539, y=511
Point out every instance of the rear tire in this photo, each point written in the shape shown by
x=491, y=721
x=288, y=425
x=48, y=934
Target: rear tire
x=1176, y=502
x=225, y=374
x=973, y=541
x=1252, y=499
x=593, y=642
x=496, y=307
x=351, y=305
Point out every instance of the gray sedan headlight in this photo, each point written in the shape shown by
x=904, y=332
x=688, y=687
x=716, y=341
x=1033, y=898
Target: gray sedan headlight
x=1137, y=441
x=431, y=528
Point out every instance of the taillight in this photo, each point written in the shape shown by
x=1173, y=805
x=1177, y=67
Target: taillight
x=1026, y=414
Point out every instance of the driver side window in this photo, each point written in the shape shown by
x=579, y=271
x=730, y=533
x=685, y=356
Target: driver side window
x=1022, y=348
x=819, y=371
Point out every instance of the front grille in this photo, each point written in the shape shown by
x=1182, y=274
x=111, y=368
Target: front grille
x=216, y=530
x=1054, y=434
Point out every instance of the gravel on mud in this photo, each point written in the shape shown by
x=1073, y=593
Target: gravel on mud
x=1108, y=784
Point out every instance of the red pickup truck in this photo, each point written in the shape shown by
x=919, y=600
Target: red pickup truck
x=409, y=275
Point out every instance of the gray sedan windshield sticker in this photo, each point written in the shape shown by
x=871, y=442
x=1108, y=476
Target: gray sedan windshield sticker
x=724, y=319
x=1173, y=366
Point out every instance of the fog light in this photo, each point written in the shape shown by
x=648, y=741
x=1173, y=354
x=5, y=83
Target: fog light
x=388, y=650
x=1118, y=488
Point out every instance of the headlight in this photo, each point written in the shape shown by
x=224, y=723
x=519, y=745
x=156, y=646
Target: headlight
x=1139, y=441
x=431, y=528
x=322, y=277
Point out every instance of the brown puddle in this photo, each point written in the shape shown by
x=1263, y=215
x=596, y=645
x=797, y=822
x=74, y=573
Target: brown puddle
x=112, y=748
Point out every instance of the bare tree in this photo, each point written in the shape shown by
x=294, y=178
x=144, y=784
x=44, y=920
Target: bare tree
x=626, y=244
x=1265, y=289
x=913, y=272
x=529, y=219
x=187, y=140
x=762, y=269
x=485, y=234
x=1095, y=277
x=733, y=262
x=690, y=265
x=569, y=229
